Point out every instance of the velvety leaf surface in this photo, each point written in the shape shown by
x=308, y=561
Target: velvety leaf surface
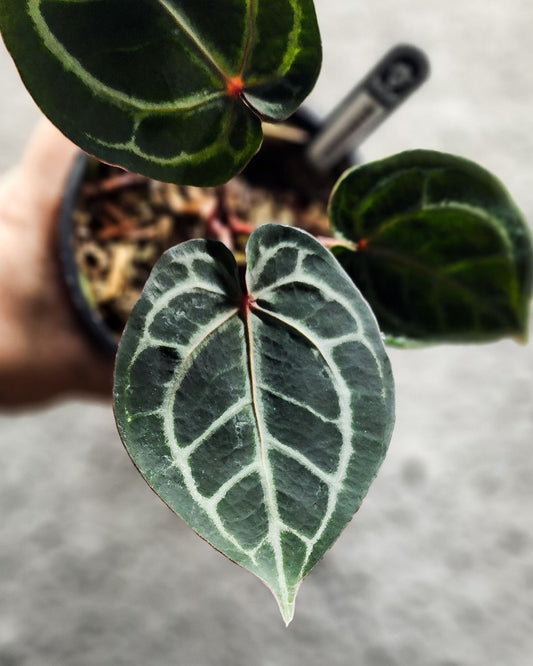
x=165, y=87
x=260, y=418
x=441, y=251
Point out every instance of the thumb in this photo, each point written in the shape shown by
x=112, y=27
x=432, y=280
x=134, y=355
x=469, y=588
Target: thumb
x=46, y=164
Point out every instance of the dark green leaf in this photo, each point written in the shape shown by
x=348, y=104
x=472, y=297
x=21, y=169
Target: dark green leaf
x=165, y=87
x=261, y=419
x=441, y=251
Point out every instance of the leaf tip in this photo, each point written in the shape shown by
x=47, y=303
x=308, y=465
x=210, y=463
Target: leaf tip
x=521, y=333
x=286, y=600
x=521, y=338
x=286, y=610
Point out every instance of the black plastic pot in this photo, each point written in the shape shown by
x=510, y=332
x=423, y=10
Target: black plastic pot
x=89, y=318
x=266, y=169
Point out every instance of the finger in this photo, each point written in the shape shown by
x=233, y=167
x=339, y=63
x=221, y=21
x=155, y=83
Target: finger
x=47, y=161
x=6, y=181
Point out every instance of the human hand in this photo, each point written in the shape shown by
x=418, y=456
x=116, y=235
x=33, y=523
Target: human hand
x=44, y=352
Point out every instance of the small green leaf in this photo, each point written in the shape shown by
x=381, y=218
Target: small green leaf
x=260, y=418
x=165, y=87
x=442, y=254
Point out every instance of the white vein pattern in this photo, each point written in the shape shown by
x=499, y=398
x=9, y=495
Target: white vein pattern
x=326, y=347
x=202, y=54
x=55, y=46
x=428, y=204
x=138, y=108
x=180, y=456
x=268, y=482
x=440, y=183
x=251, y=405
x=70, y=62
x=344, y=423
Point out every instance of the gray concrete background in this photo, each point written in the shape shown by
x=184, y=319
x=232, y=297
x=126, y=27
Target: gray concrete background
x=437, y=567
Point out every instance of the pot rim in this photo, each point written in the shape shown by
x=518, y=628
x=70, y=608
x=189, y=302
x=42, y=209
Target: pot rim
x=89, y=318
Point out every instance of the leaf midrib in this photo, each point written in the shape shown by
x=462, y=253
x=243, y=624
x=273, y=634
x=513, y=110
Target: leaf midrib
x=274, y=536
x=194, y=38
x=336, y=480
x=250, y=22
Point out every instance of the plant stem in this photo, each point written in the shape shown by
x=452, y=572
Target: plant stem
x=113, y=184
x=331, y=241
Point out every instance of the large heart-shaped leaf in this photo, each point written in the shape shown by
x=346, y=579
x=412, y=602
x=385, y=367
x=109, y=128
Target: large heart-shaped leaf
x=261, y=417
x=441, y=251
x=165, y=87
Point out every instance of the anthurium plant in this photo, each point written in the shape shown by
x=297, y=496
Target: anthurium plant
x=259, y=405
